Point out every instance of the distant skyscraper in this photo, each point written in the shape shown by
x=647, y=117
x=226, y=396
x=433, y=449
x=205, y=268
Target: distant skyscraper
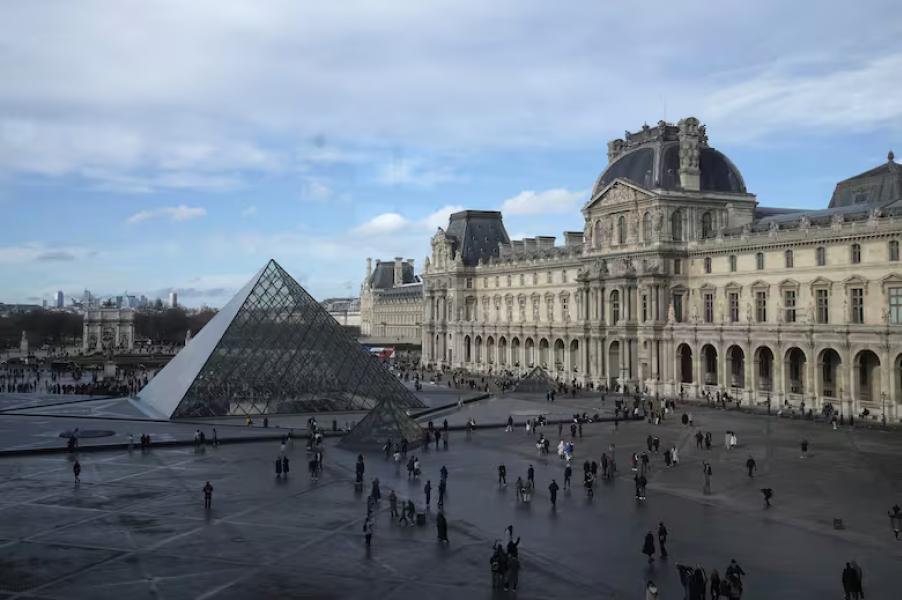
x=173, y=300
x=60, y=299
x=88, y=298
x=44, y=303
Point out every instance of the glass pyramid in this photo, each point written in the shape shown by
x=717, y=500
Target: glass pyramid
x=387, y=421
x=273, y=349
x=536, y=381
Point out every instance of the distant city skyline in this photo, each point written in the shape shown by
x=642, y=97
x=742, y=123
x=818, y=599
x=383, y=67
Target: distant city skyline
x=294, y=132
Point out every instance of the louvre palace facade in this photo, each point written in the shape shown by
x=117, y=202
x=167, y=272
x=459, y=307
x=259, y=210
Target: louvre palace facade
x=681, y=281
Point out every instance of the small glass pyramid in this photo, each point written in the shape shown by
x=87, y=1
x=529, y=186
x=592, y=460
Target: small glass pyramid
x=536, y=381
x=387, y=421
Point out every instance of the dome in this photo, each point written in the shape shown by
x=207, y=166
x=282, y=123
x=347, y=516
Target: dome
x=651, y=159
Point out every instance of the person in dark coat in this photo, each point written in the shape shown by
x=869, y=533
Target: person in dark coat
x=768, y=494
x=751, y=466
x=512, y=577
x=278, y=468
x=375, y=492
x=714, y=580
x=427, y=489
x=502, y=475
x=285, y=465
x=441, y=526
x=662, y=539
x=552, y=490
x=648, y=548
x=849, y=583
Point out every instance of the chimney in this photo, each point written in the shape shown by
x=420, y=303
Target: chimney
x=410, y=262
x=369, y=268
x=573, y=239
x=689, y=137
x=545, y=241
x=399, y=271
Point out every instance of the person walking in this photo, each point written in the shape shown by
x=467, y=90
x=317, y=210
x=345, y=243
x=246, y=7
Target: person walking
x=512, y=576
x=502, y=475
x=441, y=493
x=208, y=495
x=804, y=445
x=699, y=438
x=427, y=489
x=278, y=468
x=215, y=438
x=568, y=472
x=706, y=468
x=552, y=490
x=768, y=494
x=393, y=504
x=531, y=475
x=76, y=470
x=858, y=591
x=648, y=547
x=751, y=466
x=849, y=583
x=662, y=539
x=443, y=473
x=285, y=466
x=714, y=581
x=895, y=519
x=375, y=491
x=368, y=531
x=441, y=527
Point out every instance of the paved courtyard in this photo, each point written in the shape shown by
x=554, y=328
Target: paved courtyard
x=136, y=527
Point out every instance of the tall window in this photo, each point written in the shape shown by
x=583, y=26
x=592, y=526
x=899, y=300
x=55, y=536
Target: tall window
x=787, y=256
x=820, y=256
x=732, y=263
x=564, y=276
x=549, y=308
x=822, y=302
x=894, y=250
x=734, y=307
x=707, y=264
x=676, y=226
x=508, y=281
x=856, y=254
x=548, y=277
x=535, y=279
x=759, y=261
x=857, y=295
x=677, y=266
x=707, y=228
x=646, y=227
x=615, y=307
x=709, y=307
x=895, y=305
x=678, y=307
x=621, y=230
x=644, y=307
x=535, y=310
x=522, y=279
x=565, y=307
x=469, y=283
x=789, y=305
x=761, y=307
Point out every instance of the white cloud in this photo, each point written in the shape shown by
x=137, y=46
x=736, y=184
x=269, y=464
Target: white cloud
x=440, y=217
x=529, y=202
x=250, y=211
x=173, y=213
x=828, y=98
x=414, y=172
x=36, y=252
x=316, y=191
x=383, y=224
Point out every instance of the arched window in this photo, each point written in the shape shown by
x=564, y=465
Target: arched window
x=788, y=258
x=621, y=230
x=733, y=263
x=759, y=261
x=894, y=250
x=676, y=225
x=707, y=264
x=615, y=307
x=856, y=254
x=646, y=227
x=820, y=255
x=707, y=227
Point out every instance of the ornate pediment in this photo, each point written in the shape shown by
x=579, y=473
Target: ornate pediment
x=618, y=192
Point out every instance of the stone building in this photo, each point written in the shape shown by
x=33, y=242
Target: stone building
x=681, y=281
x=344, y=310
x=108, y=328
x=391, y=303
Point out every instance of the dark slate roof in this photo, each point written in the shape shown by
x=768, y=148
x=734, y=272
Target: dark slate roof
x=879, y=185
x=657, y=166
x=476, y=234
x=383, y=276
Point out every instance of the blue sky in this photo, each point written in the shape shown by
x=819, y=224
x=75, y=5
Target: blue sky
x=149, y=146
